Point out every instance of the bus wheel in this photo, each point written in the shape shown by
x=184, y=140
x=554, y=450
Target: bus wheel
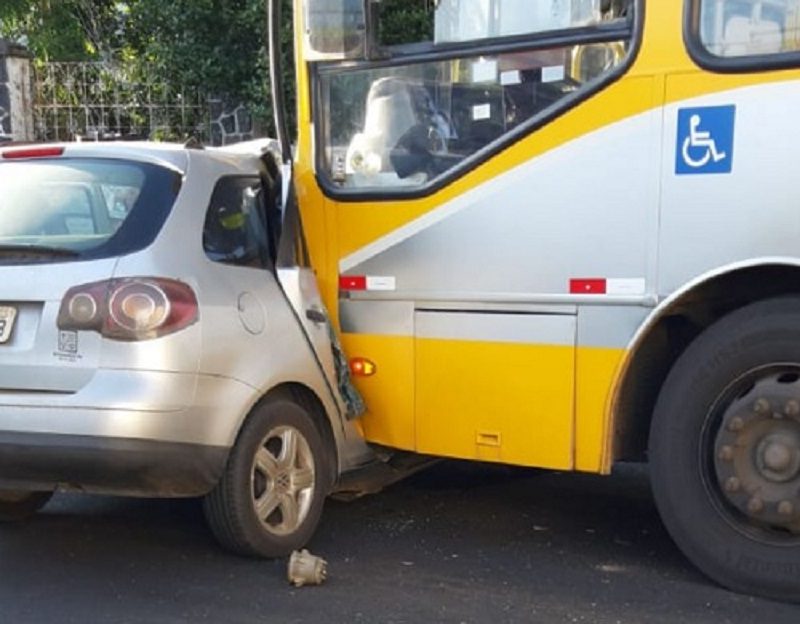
x=270, y=498
x=17, y=506
x=725, y=450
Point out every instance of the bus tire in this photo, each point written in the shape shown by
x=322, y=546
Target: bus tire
x=269, y=500
x=724, y=450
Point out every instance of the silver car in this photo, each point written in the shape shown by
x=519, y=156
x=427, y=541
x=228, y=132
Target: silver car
x=151, y=345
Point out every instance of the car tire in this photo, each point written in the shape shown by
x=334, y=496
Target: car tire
x=17, y=506
x=724, y=450
x=269, y=500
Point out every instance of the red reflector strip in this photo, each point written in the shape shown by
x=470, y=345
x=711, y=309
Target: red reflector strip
x=590, y=286
x=352, y=282
x=34, y=152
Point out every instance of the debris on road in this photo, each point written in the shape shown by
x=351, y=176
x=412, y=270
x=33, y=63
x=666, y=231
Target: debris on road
x=306, y=569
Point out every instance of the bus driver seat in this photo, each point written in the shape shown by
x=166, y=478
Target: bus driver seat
x=390, y=113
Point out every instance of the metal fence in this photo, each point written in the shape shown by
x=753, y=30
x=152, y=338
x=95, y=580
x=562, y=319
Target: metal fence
x=101, y=101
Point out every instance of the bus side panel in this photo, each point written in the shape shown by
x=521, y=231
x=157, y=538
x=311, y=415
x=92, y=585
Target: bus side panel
x=744, y=206
x=388, y=393
x=496, y=387
x=596, y=371
x=604, y=333
x=575, y=202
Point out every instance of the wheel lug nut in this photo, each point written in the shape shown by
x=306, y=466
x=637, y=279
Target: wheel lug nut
x=792, y=408
x=726, y=453
x=785, y=508
x=755, y=505
x=761, y=406
x=736, y=424
x=733, y=484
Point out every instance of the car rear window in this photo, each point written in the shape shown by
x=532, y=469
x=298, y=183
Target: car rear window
x=85, y=208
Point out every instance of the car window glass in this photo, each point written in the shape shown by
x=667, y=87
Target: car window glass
x=93, y=207
x=235, y=230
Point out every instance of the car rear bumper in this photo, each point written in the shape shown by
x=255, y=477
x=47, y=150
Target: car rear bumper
x=108, y=465
x=149, y=405
x=140, y=433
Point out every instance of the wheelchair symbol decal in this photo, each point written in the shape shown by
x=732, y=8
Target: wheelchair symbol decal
x=705, y=140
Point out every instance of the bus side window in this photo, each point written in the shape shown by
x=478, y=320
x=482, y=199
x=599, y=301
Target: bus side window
x=404, y=126
x=739, y=28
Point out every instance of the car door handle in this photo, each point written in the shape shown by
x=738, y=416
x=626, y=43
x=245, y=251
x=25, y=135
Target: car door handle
x=316, y=316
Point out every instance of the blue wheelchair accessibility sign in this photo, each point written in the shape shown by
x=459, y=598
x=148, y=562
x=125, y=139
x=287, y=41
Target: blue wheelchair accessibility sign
x=705, y=140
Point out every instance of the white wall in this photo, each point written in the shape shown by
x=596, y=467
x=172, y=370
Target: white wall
x=21, y=96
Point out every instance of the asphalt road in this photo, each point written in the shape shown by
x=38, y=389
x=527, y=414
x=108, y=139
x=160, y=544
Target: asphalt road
x=458, y=543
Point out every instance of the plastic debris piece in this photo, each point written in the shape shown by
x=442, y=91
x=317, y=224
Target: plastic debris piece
x=306, y=569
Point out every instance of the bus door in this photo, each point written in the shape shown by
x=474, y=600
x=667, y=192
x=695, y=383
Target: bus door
x=489, y=188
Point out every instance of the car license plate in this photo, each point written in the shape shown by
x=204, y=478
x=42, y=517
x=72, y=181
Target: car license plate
x=7, y=316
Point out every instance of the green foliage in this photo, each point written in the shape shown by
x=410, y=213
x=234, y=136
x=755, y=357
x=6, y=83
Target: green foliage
x=215, y=45
x=405, y=21
x=48, y=29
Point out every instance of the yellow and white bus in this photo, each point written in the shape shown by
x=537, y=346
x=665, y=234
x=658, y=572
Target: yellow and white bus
x=566, y=233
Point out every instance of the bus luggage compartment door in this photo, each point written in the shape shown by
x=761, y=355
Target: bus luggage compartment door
x=496, y=386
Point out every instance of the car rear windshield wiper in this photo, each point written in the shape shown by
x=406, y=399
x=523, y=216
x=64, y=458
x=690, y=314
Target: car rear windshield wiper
x=37, y=250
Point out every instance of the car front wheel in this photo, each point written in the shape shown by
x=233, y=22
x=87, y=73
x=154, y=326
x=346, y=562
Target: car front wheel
x=270, y=498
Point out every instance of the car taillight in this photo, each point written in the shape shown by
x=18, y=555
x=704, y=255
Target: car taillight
x=135, y=308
